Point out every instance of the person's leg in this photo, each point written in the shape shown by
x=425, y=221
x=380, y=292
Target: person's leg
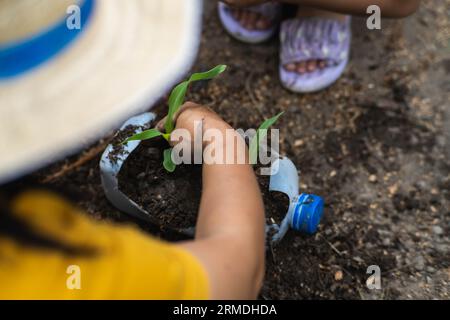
x=389, y=8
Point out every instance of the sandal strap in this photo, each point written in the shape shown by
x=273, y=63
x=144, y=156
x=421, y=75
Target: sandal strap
x=315, y=38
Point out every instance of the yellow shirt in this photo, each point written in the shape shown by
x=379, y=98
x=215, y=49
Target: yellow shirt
x=125, y=264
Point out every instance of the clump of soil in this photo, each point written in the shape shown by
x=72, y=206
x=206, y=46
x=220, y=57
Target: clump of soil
x=120, y=137
x=171, y=198
x=174, y=198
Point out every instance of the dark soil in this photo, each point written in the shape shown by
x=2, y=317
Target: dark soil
x=171, y=198
x=375, y=146
x=120, y=137
x=174, y=198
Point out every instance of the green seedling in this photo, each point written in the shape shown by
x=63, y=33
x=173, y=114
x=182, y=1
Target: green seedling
x=176, y=100
x=253, y=149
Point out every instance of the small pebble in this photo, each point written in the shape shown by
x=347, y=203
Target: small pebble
x=153, y=152
x=441, y=141
x=338, y=276
x=420, y=263
x=298, y=143
x=141, y=175
x=393, y=189
x=431, y=269
x=438, y=230
x=422, y=185
x=373, y=178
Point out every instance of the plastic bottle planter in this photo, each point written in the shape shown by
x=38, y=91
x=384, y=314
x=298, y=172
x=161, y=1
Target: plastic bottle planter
x=304, y=211
x=110, y=170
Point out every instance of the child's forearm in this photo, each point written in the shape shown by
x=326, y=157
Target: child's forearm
x=230, y=230
x=230, y=192
x=232, y=215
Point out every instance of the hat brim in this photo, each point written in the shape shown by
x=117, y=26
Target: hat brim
x=130, y=53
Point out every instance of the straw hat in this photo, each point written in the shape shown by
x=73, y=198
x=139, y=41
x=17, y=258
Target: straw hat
x=61, y=86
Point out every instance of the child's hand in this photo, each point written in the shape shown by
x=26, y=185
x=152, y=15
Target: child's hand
x=193, y=117
x=191, y=112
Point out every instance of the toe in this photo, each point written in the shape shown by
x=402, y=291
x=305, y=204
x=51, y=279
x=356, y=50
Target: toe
x=237, y=14
x=244, y=18
x=291, y=67
x=301, y=67
x=252, y=18
x=260, y=24
x=311, y=65
x=263, y=23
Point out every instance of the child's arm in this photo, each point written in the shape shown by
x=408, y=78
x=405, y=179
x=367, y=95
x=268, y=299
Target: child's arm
x=230, y=231
x=389, y=8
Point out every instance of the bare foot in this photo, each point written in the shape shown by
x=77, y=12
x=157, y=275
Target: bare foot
x=312, y=65
x=251, y=20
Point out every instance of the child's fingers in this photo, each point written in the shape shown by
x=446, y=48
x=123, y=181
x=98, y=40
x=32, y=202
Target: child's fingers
x=187, y=105
x=160, y=124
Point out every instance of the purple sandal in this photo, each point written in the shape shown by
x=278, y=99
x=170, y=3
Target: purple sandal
x=314, y=38
x=271, y=11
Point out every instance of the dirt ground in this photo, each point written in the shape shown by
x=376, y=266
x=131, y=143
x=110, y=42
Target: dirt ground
x=375, y=146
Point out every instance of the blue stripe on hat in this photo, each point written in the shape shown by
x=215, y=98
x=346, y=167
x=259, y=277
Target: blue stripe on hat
x=24, y=55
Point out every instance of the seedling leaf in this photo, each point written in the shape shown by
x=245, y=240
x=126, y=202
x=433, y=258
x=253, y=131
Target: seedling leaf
x=178, y=94
x=144, y=135
x=175, y=101
x=208, y=75
x=166, y=136
x=168, y=163
x=260, y=134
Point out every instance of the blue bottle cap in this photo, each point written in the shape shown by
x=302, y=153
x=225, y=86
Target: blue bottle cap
x=307, y=213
